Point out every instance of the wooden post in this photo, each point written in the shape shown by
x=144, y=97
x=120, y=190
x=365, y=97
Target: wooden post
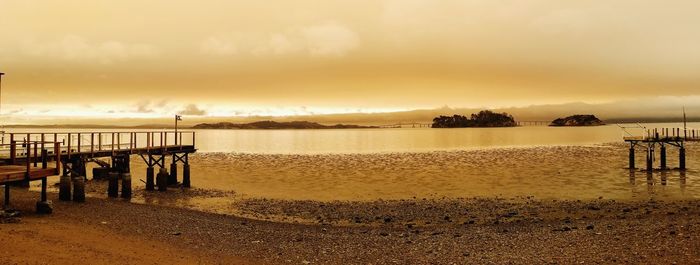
x=113, y=184
x=36, y=150
x=43, y=206
x=631, y=157
x=112, y=143
x=64, y=191
x=44, y=158
x=92, y=144
x=80, y=139
x=650, y=159
x=79, y=189
x=57, y=153
x=69, y=147
x=119, y=141
x=663, y=157
x=162, y=179
x=99, y=141
x=186, y=173
x=126, y=185
x=29, y=156
x=43, y=139
x=13, y=149
x=681, y=158
x=150, y=185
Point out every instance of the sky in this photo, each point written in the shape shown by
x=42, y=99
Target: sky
x=210, y=58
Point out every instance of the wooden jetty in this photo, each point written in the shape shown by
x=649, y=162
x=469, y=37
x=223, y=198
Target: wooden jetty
x=70, y=152
x=533, y=123
x=663, y=137
x=406, y=125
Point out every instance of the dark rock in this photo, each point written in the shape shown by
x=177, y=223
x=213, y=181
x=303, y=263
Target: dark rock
x=578, y=120
x=484, y=118
x=589, y=227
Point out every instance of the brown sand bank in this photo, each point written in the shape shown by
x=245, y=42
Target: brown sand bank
x=449, y=231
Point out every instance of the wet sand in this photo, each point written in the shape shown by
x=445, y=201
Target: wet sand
x=511, y=205
x=571, y=172
x=464, y=231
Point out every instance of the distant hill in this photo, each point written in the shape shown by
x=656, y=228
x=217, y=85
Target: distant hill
x=578, y=120
x=276, y=125
x=484, y=118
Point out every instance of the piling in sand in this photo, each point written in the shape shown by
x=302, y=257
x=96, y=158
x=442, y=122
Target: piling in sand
x=126, y=185
x=113, y=185
x=78, y=189
x=162, y=180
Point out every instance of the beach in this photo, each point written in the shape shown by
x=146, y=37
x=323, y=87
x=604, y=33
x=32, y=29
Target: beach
x=503, y=205
x=466, y=231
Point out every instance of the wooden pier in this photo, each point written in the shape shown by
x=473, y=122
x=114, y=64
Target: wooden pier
x=533, y=123
x=70, y=152
x=663, y=138
x=406, y=125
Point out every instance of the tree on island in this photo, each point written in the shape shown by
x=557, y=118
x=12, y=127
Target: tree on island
x=484, y=118
x=578, y=120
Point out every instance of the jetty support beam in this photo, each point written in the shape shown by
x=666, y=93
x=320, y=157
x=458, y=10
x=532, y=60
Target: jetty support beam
x=663, y=157
x=650, y=158
x=631, y=156
x=681, y=158
x=64, y=193
x=186, y=172
x=172, y=178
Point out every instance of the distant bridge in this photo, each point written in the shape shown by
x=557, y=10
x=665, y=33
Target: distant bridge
x=533, y=123
x=429, y=125
x=407, y=125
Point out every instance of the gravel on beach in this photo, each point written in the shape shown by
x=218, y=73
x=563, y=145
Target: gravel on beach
x=417, y=231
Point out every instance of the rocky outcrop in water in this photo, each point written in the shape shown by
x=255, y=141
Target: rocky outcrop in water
x=484, y=118
x=578, y=120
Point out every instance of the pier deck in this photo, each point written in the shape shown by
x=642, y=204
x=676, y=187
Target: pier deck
x=663, y=137
x=27, y=155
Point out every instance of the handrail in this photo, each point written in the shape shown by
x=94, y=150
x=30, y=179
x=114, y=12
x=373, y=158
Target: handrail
x=100, y=141
x=668, y=133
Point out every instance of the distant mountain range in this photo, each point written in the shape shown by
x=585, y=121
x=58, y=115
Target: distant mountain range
x=276, y=125
x=645, y=111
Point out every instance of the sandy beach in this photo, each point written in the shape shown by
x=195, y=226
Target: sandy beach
x=451, y=231
x=276, y=209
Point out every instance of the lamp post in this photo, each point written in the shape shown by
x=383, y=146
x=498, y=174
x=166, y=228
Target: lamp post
x=2, y=131
x=177, y=118
x=1, y=74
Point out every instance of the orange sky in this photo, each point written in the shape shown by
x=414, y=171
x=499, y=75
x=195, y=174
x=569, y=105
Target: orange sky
x=224, y=58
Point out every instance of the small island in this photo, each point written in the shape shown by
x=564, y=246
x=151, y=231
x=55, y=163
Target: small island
x=277, y=125
x=577, y=120
x=484, y=118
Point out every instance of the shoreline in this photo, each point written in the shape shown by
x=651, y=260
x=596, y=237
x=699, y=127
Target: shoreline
x=467, y=231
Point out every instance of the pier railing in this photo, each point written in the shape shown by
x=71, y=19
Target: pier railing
x=32, y=153
x=94, y=142
x=667, y=134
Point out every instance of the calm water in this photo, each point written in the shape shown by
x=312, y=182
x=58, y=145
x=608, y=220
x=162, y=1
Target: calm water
x=395, y=140
x=368, y=164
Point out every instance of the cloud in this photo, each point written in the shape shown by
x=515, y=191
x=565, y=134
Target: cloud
x=218, y=46
x=328, y=39
x=144, y=106
x=193, y=110
x=76, y=48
